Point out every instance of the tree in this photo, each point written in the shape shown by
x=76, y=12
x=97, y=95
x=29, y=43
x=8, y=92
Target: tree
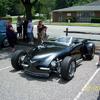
x=3, y=7
x=28, y=4
x=60, y=4
x=64, y=3
x=82, y=2
x=45, y=7
x=13, y=8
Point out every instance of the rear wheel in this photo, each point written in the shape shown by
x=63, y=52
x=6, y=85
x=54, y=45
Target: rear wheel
x=68, y=68
x=17, y=59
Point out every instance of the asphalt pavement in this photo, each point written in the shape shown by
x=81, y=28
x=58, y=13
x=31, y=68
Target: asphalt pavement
x=16, y=85
x=58, y=31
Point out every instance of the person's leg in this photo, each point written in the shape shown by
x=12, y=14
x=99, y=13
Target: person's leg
x=12, y=43
x=23, y=35
x=29, y=37
x=39, y=37
x=32, y=37
x=20, y=31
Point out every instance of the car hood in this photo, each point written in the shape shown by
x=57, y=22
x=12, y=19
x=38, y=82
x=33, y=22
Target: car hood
x=44, y=55
x=49, y=50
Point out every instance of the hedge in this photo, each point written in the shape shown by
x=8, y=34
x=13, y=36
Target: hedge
x=95, y=20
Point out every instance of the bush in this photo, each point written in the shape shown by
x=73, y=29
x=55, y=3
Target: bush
x=95, y=20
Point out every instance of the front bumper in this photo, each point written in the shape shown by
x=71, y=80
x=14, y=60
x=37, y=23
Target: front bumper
x=35, y=70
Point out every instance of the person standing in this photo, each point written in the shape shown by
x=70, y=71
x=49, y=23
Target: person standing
x=30, y=31
x=25, y=23
x=41, y=32
x=19, y=26
x=11, y=36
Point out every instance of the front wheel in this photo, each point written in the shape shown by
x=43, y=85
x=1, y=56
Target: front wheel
x=5, y=43
x=68, y=68
x=17, y=59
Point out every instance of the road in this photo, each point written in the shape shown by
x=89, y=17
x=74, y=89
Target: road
x=16, y=85
x=57, y=31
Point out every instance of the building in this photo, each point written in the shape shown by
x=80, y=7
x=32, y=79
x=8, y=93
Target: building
x=77, y=13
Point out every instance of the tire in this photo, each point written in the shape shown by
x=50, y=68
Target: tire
x=90, y=57
x=16, y=59
x=68, y=68
x=5, y=43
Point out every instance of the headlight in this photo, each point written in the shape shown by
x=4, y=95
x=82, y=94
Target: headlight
x=53, y=63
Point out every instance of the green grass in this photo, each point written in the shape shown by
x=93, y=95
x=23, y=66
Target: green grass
x=77, y=24
x=14, y=20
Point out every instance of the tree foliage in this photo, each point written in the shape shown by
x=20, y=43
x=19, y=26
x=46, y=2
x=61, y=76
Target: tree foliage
x=64, y=3
x=18, y=7
x=68, y=3
x=82, y=2
x=10, y=7
x=45, y=7
x=3, y=7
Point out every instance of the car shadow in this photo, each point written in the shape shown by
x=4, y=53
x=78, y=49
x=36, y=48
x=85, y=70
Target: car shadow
x=6, y=53
x=32, y=78
x=98, y=96
x=52, y=78
x=13, y=71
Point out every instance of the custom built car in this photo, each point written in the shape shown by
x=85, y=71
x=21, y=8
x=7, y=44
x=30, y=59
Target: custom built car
x=59, y=56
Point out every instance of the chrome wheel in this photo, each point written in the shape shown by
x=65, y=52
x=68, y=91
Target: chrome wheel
x=72, y=69
x=21, y=59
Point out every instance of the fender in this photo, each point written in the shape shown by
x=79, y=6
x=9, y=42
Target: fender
x=89, y=48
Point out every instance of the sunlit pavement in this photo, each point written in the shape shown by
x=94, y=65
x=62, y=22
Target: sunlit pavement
x=57, y=31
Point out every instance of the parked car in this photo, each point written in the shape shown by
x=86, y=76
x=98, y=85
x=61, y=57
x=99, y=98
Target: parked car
x=59, y=56
x=3, y=38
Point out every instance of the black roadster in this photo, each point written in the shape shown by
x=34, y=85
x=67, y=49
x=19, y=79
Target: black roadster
x=59, y=56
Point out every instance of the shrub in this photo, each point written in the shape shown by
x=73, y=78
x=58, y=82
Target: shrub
x=95, y=20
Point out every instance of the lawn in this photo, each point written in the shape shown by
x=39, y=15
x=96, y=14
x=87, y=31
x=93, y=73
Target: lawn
x=77, y=24
x=63, y=23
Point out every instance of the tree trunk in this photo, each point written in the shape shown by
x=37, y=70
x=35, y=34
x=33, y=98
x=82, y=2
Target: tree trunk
x=28, y=7
x=28, y=10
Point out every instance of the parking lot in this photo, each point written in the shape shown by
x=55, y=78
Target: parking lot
x=16, y=85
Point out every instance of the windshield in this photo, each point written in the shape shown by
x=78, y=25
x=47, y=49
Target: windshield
x=65, y=40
